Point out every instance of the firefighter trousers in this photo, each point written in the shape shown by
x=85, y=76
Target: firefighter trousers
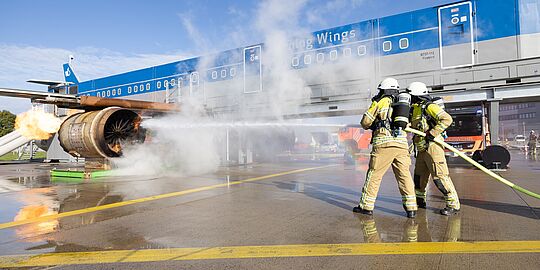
x=382, y=157
x=433, y=163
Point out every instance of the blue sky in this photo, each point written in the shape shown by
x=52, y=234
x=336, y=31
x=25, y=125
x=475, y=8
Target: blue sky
x=108, y=37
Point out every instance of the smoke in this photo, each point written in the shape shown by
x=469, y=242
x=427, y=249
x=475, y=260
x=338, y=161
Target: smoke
x=193, y=141
x=278, y=20
x=170, y=152
x=37, y=124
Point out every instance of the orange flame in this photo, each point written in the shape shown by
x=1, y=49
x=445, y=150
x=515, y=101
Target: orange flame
x=35, y=229
x=37, y=124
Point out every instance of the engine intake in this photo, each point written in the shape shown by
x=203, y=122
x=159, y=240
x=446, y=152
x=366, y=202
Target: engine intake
x=100, y=134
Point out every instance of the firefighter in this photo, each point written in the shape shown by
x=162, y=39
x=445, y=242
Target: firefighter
x=532, y=143
x=430, y=160
x=388, y=149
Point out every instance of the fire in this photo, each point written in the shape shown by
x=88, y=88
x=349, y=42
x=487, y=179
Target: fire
x=35, y=229
x=37, y=124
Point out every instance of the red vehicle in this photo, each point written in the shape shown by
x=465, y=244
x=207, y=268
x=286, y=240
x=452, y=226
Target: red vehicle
x=469, y=131
x=354, y=138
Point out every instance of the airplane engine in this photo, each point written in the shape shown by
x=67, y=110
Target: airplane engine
x=100, y=134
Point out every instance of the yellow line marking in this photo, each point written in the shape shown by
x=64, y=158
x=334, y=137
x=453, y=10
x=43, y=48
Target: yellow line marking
x=243, y=252
x=151, y=198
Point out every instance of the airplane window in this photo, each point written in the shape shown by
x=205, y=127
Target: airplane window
x=103, y=93
x=173, y=82
x=223, y=73
x=404, y=43
x=159, y=84
x=387, y=46
x=114, y=92
x=108, y=93
x=361, y=50
x=148, y=86
x=141, y=87
x=129, y=90
x=214, y=74
x=135, y=89
x=119, y=91
x=98, y=95
x=307, y=59
x=233, y=72
x=333, y=55
x=347, y=51
x=166, y=84
x=320, y=57
x=295, y=61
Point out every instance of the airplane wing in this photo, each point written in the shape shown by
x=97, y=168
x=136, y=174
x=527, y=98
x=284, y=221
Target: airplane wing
x=46, y=82
x=33, y=95
x=86, y=102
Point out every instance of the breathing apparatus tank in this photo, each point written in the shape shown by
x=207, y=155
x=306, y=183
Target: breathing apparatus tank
x=439, y=101
x=400, y=113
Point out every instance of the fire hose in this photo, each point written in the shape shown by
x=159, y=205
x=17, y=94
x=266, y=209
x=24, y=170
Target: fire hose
x=476, y=164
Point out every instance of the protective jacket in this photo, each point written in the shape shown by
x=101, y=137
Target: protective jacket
x=428, y=117
x=377, y=118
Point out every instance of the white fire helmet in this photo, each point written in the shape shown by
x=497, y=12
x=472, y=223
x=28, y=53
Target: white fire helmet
x=417, y=89
x=388, y=84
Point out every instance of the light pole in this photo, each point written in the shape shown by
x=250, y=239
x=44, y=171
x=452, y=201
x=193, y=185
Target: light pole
x=502, y=129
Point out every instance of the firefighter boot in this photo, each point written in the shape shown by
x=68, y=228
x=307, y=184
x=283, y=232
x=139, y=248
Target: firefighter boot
x=448, y=211
x=358, y=209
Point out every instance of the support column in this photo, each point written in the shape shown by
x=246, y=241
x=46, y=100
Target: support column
x=494, y=121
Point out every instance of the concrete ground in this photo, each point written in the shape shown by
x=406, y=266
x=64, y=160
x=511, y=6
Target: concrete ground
x=290, y=215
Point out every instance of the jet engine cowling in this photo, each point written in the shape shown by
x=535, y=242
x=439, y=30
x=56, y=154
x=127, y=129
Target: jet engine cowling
x=100, y=134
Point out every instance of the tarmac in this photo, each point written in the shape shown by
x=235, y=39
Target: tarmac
x=293, y=214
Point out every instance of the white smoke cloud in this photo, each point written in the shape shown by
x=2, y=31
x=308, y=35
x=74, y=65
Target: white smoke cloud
x=173, y=152
x=278, y=20
x=185, y=143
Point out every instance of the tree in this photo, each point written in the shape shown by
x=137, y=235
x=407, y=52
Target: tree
x=7, y=122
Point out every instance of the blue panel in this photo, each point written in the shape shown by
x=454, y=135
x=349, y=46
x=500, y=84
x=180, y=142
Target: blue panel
x=334, y=36
x=425, y=18
x=166, y=70
x=133, y=76
x=495, y=19
x=455, y=24
x=396, y=24
x=85, y=86
x=425, y=40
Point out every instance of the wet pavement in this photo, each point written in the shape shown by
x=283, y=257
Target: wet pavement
x=280, y=206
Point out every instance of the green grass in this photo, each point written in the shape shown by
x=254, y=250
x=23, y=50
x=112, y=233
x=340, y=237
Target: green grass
x=13, y=156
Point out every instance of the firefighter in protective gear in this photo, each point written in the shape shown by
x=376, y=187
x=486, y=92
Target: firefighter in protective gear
x=533, y=138
x=387, y=150
x=430, y=160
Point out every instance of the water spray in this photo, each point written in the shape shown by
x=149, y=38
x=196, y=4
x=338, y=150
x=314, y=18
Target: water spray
x=192, y=125
x=476, y=164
